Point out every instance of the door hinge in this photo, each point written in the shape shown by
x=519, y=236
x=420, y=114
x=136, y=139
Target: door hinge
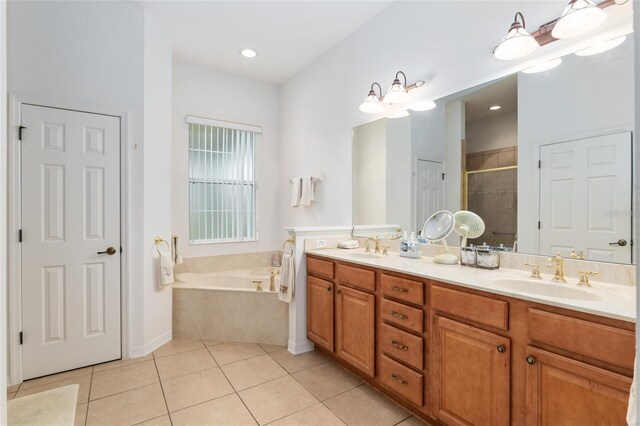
x=20, y=130
x=539, y=226
x=443, y=176
x=20, y=235
x=539, y=164
x=21, y=337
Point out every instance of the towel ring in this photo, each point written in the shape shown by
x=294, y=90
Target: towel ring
x=159, y=241
x=289, y=242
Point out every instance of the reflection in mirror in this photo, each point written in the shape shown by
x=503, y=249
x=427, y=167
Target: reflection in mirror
x=549, y=170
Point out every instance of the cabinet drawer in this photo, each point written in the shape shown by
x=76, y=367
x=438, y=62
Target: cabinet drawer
x=402, y=289
x=401, y=380
x=356, y=277
x=402, y=315
x=483, y=310
x=402, y=346
x=320, y=268
x=602, y=342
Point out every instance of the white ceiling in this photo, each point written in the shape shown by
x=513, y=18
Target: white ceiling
x=288, y=35
x=503, y=92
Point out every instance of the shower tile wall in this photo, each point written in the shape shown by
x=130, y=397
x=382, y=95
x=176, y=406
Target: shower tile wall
x=493, y=194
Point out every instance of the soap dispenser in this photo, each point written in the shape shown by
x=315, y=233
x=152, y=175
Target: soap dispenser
x=404, y=242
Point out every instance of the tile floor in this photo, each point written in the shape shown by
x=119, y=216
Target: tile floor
x=196, y=382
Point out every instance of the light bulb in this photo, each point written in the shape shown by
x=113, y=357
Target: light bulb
x=396, y=94
x=578, y=18
x=517, y=43
x=371, y=104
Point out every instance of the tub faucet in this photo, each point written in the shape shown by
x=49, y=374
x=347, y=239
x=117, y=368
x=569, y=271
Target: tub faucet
x=258, y=284
x=558, y=264
x=272, y=281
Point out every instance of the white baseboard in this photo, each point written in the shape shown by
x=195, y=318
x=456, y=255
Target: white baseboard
x=298, y=348
x=151, y=346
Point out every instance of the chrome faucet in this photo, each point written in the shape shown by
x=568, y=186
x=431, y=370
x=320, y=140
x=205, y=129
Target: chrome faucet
x=272, y=281
x=376, y=240
x=558, y=264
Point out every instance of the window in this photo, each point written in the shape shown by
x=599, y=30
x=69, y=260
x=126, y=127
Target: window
x=222, y=186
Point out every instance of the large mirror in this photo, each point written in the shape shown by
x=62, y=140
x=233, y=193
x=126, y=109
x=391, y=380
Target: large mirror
x=545, y=159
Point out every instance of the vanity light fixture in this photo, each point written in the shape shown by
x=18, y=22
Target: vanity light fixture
x=517, y=43
x=495, y=107
x=422, y=106
x=248, y=52
x=578, y=18
x=545, y=66
x=399, y=114
x=602, y=47
x=372, y=103
x=399, y=92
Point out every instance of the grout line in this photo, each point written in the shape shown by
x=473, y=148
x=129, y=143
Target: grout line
x=178, y=353
x=239, y=397
x=162, y=389
x=86, y=414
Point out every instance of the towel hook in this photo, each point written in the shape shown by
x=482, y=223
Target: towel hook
x=159, y=241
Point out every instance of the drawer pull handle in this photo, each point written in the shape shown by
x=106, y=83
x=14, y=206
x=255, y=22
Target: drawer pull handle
x=400, y=289
x=399, y=379
x=397, y=315
x=500, y=348
x=399, y=345
x=531, y=360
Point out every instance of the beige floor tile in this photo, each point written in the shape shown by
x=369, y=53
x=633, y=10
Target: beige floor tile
x=211, y=342
x=327, y=380
x=13, y=389
x=271, y=348
x=316, y=415
x=158, y=421
x=120, y=363
x=83, y=392
x=184, y=363
x=194, y=388
x=81, y=415
x=128, y=408
x=177, y=345
x=231, y=351
x=364, y=406
x=122, y=379
x=294, y=363
x=56, y=377
x=413, y=421
x=253, y=371
x=10, y=395
x=277, y=399
x=226, y=411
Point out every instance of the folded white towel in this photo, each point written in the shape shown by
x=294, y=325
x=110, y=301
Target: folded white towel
x=308, y=189
x=295, y=191
x=350, y=244
x=165, y=272
x=175, y=251
x=287, y=278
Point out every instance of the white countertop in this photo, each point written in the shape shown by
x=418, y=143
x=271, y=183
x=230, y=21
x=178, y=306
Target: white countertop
x=611, y=300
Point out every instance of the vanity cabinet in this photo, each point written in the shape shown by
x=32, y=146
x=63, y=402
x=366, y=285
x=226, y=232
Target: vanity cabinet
x=563, y=391
x=355, y=328
x=470, y=376
x=458, y=356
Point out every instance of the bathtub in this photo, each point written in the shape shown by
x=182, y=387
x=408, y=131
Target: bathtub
x=226, y=306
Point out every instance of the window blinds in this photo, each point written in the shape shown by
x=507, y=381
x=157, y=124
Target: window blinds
x=222, y=187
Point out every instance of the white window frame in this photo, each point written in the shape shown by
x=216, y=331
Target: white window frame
x=190, y=119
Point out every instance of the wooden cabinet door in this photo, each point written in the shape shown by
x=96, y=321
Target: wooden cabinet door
x=470, y=375
x=320, y=312
x=562, y=391
x=355, y=328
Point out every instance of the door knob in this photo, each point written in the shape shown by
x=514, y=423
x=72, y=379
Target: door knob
x=620, y=243
x=110, y=251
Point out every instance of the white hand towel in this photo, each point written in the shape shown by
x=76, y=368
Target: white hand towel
x=307, y=191
x=165, y=269
x=349, y=244
x=287, y=278
x=295, y=191
x=175, y=251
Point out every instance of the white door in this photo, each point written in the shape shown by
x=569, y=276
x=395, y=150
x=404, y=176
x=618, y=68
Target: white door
x=430, y=190
x=586, y=196
x=70, y=239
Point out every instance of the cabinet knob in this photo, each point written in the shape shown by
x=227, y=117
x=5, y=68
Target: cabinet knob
x=500, y=348
x=328, y=288
x=531, y=360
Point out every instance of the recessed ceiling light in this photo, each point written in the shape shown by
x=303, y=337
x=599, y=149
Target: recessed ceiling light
x=495, y=107
x=248, y=53
x=545, y=66
x=602, y=47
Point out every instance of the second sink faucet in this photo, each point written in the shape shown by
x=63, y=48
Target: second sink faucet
x=376, y=240
x=558, y=264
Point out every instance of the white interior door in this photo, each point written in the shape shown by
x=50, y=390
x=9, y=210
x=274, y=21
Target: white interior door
x=70, y=213
x=430, y=190
x=586, y=197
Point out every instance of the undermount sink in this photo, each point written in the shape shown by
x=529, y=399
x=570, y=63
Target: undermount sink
x=560, y=291
x=365, y=255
